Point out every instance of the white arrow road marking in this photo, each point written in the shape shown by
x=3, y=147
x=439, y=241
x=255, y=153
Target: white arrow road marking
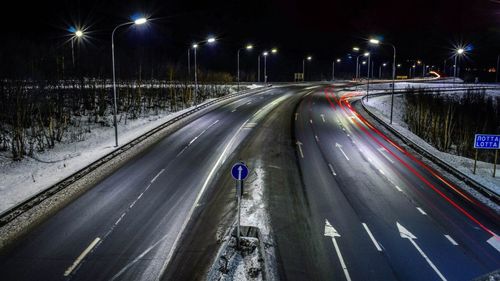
x=406, y=234
x=323, y=117
x=299, y=144
x=371, y=237
x=451, y=240
x=381, y=150
x=495, y=242
x=340, y=147
x=421, y=211
x=331, y=169
x=82, y=256
x=331, y=232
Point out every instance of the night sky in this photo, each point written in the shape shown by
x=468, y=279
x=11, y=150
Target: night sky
x=422, y=29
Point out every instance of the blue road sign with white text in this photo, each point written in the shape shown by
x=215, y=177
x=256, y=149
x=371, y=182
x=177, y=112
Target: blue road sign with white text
x=239, y=171
x=482, y=141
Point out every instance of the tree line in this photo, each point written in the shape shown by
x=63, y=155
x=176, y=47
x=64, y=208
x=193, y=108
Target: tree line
x=37, y=115
x=449, y=121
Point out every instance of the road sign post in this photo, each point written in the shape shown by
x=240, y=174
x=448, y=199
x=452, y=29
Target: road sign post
x=483, y=141
x=239, y=173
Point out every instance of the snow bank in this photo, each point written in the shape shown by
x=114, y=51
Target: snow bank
x=381, y=106
x=23, y=179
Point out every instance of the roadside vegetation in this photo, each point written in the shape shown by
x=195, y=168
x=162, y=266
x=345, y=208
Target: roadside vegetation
x=36, y=116
x=449, y=121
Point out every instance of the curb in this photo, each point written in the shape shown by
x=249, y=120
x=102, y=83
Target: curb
x=447, y=167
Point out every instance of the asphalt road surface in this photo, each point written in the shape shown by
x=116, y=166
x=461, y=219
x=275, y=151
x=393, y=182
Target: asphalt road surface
x=378, y=212
x=126, y=227
x=344, y=201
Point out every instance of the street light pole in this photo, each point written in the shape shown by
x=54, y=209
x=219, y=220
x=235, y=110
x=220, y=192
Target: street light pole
x=248, y=47
x=189, y=61
x=496, y=70
x=258, y=68
x=195, y=47
x=265, y=68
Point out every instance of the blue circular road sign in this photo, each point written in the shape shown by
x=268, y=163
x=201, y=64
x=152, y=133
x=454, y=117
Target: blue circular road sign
x=239, y=171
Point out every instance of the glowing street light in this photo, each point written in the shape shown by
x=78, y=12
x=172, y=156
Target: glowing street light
x=138, y=21
x=265, y=54
x=374, y=41
x=355, y=49
x=210, y=40
x=248, y=47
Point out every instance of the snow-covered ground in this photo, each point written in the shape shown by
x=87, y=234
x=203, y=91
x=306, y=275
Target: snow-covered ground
x=23, y=179
x=381, y=106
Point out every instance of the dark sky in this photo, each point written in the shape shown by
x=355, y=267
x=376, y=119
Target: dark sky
x=421, y=29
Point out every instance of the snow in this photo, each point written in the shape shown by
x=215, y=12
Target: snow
x=23, y=179
x=381, y=106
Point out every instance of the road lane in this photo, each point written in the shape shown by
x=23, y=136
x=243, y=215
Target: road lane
x=137, y=211
x=371, y=183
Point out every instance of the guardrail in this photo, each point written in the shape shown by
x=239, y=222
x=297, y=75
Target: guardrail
x=495, y=197
x=12, y=213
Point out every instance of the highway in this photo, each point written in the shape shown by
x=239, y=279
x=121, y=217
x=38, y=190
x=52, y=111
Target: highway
x=127, y=226
x=378, y=212
x=344, y=200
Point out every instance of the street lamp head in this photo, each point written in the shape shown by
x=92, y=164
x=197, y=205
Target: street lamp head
x=274, y=50
x=419, y=62
x=265, y=53
x=460, y=51
x=364, y=62
x=249, y=47
x=374, y=41
x=195, y=46
x=366, y=54
x=384, y=64
x=140, y=21
x=309, y=58
x=339, y=60
x=78, y=33
x=356, y=49
x=399, y=65
x=413, y=66
x=211, y=40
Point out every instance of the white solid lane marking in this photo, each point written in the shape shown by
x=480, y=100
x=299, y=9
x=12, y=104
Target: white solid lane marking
x=331, y=169
x=451, y=239
x=371, y=237
x=157, y=175
x=421, y=211
x=82, y=256
x=398, y=188
x=331, y=232
x=323, y=117
x=317, y=138
x=381, y=171
x=296, y=116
